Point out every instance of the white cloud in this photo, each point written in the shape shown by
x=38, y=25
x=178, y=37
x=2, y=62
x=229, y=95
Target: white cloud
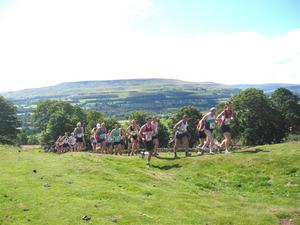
x=51, y=41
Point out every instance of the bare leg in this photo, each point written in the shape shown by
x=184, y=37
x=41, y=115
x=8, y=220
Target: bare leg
x=149, y=158
x=209, y=140
x=175, y=148
x=227, y=141
x=186, y=145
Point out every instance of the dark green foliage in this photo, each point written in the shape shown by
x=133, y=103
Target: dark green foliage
x=93, y=117
x=163, y=135
x=53, y=118
x=256, y=121
x=33, y=139
x=139, y=117
x=22, y=138
x=287, y=104
x=110, y=122
x=194, y=116
x=8, y=122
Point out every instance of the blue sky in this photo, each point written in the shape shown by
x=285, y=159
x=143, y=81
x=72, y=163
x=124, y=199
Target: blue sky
x=45, y=42
x=270, y=17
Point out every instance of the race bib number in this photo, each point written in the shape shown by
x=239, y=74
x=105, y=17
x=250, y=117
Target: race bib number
x=227, y=121
x=109, y=139
x=148, y=136
x=133, y=133
x=212, y=126
x=102, y=136
x=117, y=138
x=79, y=135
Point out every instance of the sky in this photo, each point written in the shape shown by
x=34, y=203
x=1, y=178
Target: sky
x=46, y=42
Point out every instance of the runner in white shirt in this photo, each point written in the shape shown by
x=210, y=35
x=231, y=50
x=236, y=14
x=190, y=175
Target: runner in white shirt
x=154, y=124
x=181, y=135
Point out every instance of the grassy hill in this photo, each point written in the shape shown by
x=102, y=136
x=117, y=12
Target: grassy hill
x=269, y=88
x=120, y=97
x=258, y=185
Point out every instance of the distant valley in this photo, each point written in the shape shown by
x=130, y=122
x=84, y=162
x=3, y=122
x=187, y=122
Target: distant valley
x=120, y=97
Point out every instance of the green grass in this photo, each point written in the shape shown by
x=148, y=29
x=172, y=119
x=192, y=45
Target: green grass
x=253, y=186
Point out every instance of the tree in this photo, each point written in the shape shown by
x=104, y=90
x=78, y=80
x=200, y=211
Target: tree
x=163, y=135
x=110, y=123
x=194, y=116
x=139, y=117
x=256, y=121
x=22, y=138
x=53, y=118
x=8, y=122
x=93, y=117
x=287, y=104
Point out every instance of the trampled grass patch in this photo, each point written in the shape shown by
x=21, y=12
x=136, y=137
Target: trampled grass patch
x=258, y=185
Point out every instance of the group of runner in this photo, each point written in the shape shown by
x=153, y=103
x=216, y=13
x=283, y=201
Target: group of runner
x=73, y=142
x=205, y=129
x=114, y=141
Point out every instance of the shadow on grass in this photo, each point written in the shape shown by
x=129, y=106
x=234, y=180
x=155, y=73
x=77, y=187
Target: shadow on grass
x=167, y=167
x=257, y=150
x=172, y=158
x=166, y=158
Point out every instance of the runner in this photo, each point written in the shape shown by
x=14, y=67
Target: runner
x=181, y=136
x=132, y=132
x=146, y=134
x=58, y=145
x=93, y=139
x=66, y=146
x=225, y=118
x=72, y=142
x=116, y=134
x=202, y=135
x=109, y=143
x=154, y=124
x=123, y=141
x=100, y=136
x=210, y=124
x=79, y=135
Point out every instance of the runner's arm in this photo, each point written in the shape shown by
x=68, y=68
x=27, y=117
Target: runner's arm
x=177, y=125
x=141, y=132
x=220, y=115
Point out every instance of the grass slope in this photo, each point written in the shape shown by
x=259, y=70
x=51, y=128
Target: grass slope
x=254, y=186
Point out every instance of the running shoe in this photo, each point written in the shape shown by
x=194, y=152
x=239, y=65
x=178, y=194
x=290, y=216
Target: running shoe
x=188, y=154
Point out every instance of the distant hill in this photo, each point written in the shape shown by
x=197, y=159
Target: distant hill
x=120, y=97
x=269, y=88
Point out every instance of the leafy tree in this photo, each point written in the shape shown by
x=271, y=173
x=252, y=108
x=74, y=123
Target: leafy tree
x=256, y=121
x=34, y=139
x=287, y=104
x=93, y=117
x=53, y=118
x=194, y=116
x=139, y=117
x=110, y=122
x=163, y=135
x=8, y=122
x=22, y=138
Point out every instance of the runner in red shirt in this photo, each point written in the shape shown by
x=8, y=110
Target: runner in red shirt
x=146, y=134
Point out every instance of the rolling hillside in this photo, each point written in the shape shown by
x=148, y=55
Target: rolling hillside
x=269, y=88
x=255, y=186
x=120, y=97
